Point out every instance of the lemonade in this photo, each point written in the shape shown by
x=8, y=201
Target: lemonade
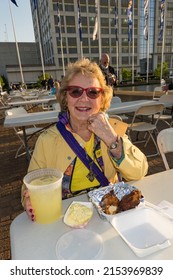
x=45, y=194
x=44, y=180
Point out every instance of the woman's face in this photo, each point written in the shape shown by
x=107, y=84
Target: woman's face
x=82, y=107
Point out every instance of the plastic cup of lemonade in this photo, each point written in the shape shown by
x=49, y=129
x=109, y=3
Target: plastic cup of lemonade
x=45, y=192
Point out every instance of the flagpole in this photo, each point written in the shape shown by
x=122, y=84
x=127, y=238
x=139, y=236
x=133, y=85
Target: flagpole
x=60, y=38
x=40, y=46
x=17, y=48
x=80, y=28
x=133, y=40
x=99, y=30
x=163, y=42
x=62, y=55
x=116, y=37
x=148, y=54
x=148, y=39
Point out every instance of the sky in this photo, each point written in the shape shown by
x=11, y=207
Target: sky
x=22, y=22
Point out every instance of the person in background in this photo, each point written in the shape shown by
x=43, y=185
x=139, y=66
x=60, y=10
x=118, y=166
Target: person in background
x=170, y=86
x=0, y=88
x=55, y=88
x=50, y=83
x=44, y=84
x=107, y=70
x=164, y=86
x=84, y=99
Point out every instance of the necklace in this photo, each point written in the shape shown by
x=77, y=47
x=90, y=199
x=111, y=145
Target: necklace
x=91, y=175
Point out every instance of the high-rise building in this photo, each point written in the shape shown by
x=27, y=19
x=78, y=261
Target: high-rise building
x=134, y=53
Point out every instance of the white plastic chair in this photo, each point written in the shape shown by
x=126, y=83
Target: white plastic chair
x=146, y=126
x=170, y=91
x=117, y=99
x=165, y=117
x=30, y=131
x=53, y=105
x=157, y=92
x=4, y=97
x=165, y=144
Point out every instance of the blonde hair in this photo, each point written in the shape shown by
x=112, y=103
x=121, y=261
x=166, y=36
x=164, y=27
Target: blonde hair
x=88, y=69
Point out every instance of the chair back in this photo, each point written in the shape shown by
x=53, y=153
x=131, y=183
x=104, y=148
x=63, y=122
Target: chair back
x=166, y=98
x=56, y=106
x=116, y=99
x=157, y=92
x=170, y=91
x=147, y=110
x=4, y=98
x=165, y=144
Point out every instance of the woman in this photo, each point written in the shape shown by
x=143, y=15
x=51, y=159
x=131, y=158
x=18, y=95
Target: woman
x=84, y=98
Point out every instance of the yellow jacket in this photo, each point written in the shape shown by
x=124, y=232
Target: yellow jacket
x=52, y=151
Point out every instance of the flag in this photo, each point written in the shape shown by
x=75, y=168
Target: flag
x=59, y=22
x=129, y=16
x=96, y=22
x=116, y=22
x=14, y=2
x=146, y=2
x=162, y=15
x=35, y=4
x=79, y=22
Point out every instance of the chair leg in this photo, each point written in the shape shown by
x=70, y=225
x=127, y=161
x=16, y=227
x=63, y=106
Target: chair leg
x=19, y=149
x=151, y=136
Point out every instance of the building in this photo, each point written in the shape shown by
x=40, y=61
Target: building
x=139, y=55
x=30, y=61
x=121, y=51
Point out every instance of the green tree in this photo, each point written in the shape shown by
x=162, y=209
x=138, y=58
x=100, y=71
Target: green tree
x=126, y=74
x=2, y=82
x=40, y=79
x=165, y=70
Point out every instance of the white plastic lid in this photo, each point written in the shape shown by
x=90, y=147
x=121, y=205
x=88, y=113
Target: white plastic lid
x=79, y=244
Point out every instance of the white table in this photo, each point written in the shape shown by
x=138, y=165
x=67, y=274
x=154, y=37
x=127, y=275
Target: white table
x=31, y=118
x=128, y=107
x=32, y=102
x=28, y=119
x=34, y=241
x=51, y=116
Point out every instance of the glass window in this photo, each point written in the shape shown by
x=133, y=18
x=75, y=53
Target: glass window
x=70, y=20
x=72, y=42
x=72, y=50
x=104, y=22
x=71, y=29
x=69, y=8
x=125, y=60
x=85, y=42
x=105, y=30
x=105, y=42
x=85, y=50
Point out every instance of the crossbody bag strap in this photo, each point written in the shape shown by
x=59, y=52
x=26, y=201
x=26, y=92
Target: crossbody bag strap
x=79, y=151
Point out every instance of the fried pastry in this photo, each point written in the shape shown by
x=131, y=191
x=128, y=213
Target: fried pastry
x=129, y=201
x=109, y=203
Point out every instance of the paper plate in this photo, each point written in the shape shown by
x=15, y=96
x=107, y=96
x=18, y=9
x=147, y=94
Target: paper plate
x=74, y=222
x=79, y=244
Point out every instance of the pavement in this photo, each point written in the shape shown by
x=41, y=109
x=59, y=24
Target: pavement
x=13, y=170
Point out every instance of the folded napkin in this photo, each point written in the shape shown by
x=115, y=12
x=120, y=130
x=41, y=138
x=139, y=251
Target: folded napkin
x=166, y=207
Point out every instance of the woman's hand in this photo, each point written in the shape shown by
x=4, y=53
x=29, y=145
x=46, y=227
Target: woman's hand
x=28, y=207
x=99, y=125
